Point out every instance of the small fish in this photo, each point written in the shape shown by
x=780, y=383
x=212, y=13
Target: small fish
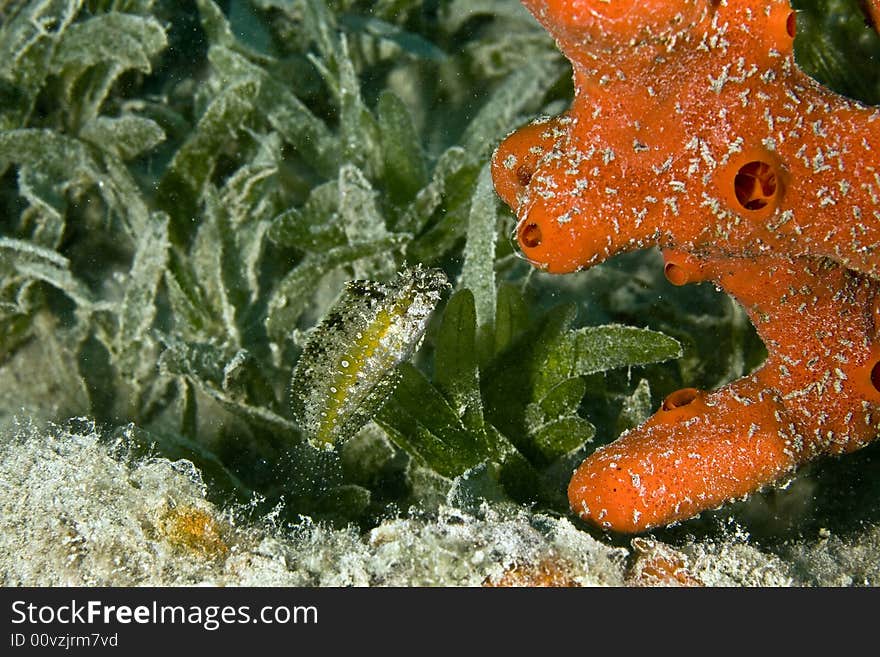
x=349, y=365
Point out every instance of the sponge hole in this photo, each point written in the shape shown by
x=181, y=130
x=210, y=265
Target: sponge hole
x=791, y=24
x=530, y=236
x=676, y=274
x=680, y=398
x=756, y=185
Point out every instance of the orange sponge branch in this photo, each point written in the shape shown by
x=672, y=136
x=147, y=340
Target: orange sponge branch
x=817, y=393
x=685, y=460
x=705, y=137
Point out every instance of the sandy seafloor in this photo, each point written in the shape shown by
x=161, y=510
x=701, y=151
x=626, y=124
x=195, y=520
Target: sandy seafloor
x=79, y=510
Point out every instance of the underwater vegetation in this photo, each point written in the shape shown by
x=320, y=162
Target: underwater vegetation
x=262, y=236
